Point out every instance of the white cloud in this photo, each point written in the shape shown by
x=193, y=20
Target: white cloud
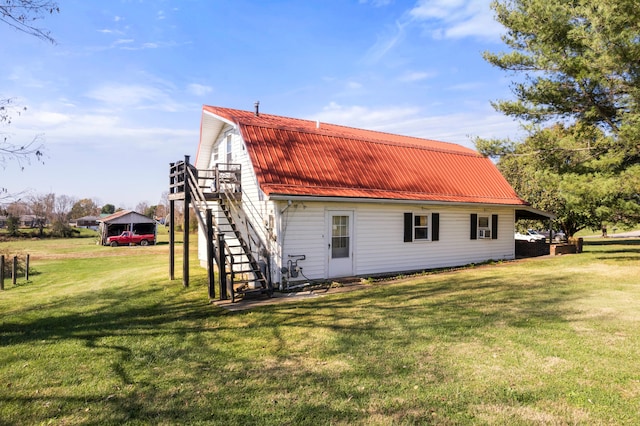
x=412, y=76
x=96, y=129
x=146, y=45
x=363, y=117
x=465, y=87
x=199, y=89
x=377, y=3
x=119, y=96
x=457, y=128
x=439, y=19
x=386, y=42
x=457, y=18
x=52, y=118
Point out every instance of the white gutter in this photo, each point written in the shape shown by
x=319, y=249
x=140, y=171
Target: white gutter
x=278, y=197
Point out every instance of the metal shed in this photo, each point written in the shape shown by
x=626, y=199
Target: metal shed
x=125, y=220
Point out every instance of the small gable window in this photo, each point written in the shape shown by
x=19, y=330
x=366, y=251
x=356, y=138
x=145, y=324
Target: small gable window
x=229, y=145
x=416, y=227
x=216, y=153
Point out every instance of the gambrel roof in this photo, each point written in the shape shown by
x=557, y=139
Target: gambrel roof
x=294, y=157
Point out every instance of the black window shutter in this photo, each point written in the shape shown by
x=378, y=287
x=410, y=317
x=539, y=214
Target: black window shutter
x=474, y=226
x=435, y=226
x=408, y=227
x=494, y=226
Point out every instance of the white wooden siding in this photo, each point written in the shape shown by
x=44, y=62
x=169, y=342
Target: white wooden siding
x=302, y=232
x=379, y=245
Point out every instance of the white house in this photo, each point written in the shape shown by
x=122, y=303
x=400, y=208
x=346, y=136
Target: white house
x=318, y=201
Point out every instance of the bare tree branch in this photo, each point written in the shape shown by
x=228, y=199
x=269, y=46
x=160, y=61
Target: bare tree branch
x=22, y=14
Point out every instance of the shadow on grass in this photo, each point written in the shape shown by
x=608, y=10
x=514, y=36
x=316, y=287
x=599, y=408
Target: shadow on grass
x=223, y=363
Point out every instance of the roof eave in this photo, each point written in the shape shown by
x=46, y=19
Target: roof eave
x=207, y=134
x=285, y=197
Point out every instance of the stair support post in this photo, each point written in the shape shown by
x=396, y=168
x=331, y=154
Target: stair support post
x=210, y=255
x=222, y=267
x=172, y=234
x=187, y=200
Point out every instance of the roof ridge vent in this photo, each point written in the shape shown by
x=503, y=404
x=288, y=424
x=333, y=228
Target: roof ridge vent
x=257, y=105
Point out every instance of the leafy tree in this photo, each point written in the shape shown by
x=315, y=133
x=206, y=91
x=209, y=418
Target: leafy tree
x=576, y=65
x=83, y=207
x=150, y=212
x=567, y=170
x=108, y=209
x=579, y=60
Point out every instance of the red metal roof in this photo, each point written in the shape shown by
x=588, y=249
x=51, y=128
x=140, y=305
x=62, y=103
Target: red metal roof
x=303, y=157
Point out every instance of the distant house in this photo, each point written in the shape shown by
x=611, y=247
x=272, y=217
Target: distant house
x=125, y=220
x=88, y=222
x=29, y=221
x=303, y=200
x=25, y=221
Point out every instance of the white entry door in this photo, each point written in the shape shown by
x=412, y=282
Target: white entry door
x=340, y=244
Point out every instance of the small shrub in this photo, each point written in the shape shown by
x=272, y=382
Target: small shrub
x=13, y=224
x=63, y=230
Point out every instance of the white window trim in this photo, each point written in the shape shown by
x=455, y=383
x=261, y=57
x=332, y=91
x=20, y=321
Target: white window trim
x=484, y=232
x=413, y=223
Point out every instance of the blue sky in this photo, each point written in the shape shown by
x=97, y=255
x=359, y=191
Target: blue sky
x=119, y=96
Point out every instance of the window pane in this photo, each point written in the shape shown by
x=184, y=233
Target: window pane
x=420, y=220
x=483, y=222
x=340, y=237
x=339, y=247
x=421, y=233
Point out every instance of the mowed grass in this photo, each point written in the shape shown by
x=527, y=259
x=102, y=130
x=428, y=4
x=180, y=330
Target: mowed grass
x=101, y=336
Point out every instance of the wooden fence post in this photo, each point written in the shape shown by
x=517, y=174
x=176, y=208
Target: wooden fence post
x=14, y=270
x=2, y=272
x=26, y=268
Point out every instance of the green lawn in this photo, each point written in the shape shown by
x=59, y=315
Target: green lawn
x=101, y=336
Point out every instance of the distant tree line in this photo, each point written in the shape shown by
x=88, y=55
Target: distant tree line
x=55, y=213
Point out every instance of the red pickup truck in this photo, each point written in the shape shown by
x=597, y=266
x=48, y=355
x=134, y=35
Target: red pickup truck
x=128, y=237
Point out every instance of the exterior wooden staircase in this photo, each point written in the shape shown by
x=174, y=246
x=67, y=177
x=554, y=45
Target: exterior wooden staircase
x=237, y=249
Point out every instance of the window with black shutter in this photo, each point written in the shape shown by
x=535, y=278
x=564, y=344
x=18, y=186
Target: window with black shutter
x=416, y=227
